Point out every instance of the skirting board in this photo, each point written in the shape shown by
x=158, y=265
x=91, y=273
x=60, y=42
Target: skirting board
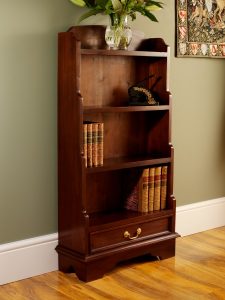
x=32, y=257
x=28, y=258
x=200, y=216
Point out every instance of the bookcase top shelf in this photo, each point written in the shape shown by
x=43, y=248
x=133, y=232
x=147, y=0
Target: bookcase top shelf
x=123, y=53
x=92, y=42
x=115, y=109
x=117, y=163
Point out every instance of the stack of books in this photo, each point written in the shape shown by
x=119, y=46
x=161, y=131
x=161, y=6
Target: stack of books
x=149, y=192
x=93, y=143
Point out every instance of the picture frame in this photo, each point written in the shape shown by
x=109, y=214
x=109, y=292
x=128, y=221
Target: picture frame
x=200, y=28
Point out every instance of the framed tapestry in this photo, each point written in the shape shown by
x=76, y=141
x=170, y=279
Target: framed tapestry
x=200, y=28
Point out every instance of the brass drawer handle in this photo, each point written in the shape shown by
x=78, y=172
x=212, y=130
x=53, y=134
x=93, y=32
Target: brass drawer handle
x=127, y=234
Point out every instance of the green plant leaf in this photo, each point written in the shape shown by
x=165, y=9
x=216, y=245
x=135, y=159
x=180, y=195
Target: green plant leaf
x=153, y=8
x=120, y=7
x=90, y=13
x=80, y=3
x=154, y=3
x=149, y=15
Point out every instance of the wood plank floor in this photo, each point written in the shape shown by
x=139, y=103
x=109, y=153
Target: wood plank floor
x=197, y=272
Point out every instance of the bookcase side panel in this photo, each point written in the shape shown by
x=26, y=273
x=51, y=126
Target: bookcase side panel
x=70, y=174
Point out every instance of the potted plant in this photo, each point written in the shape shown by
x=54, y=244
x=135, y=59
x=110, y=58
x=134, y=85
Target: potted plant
x=118, y=33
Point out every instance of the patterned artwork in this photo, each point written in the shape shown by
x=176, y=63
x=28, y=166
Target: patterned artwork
x=200, y=28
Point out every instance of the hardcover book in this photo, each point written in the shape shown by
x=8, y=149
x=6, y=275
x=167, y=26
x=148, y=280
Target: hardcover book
x=89, y=145
x=100, y=140
x=85, y=143
x=143, y=191
x=151, y=188
x=163, y=186
x=95, y=144
x=157, y=188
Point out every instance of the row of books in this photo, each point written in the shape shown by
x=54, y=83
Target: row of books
x=93, y=143
x=148, y=192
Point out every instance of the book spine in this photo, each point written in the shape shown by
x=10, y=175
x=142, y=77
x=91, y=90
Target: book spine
x=157, y=188
x=94, y=144
x=85, y=143
x=151, y=185
x=145, y=178
x=100, y=141
x=143, y=191
x=163, y=186
x=89, y=145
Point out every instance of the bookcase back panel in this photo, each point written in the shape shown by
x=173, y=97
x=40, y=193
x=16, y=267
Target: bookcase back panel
x=153, y=76
x=133, y=133
x=105, y=191
x=158, y=68
x=157, y=133
x=105, y=80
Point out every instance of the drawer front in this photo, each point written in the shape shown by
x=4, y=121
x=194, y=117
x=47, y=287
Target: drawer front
x=102, y=240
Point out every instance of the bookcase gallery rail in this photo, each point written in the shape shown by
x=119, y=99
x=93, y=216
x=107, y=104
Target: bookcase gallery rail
x=115, y=160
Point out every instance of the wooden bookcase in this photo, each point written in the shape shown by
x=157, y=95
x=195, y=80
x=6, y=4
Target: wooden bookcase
x=93, y=85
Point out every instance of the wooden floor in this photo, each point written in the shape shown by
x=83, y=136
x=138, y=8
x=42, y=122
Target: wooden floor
x=197, y=272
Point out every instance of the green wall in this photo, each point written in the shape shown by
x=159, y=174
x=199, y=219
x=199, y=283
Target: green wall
x=28, y=109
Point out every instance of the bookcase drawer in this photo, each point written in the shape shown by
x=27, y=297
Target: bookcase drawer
x=131, y=233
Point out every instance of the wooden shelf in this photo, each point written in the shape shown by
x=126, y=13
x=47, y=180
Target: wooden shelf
x=115, y=109
x=128, y=162
x=105, y=220
x=123, y=53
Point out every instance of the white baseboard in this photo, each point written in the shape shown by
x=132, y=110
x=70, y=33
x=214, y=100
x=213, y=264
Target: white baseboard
x=201, y=216
x=28, y=258
x=31, y=257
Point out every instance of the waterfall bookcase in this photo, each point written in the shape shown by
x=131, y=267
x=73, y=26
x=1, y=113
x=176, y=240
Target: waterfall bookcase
x=93, y=85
